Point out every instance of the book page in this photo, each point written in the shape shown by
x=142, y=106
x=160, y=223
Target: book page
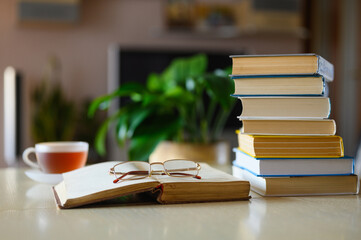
x=207, y=174
x=94, y=179
x=214, y=185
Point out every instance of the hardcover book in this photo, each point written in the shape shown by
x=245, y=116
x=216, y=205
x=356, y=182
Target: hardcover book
x=267, y=146
x=285, y=107
x=296, y=186
x=285, y=64
x=278, y=167
x=288, y=127
x=279, y=86
x=93, y=184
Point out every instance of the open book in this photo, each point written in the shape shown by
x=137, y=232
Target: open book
x=94, y=184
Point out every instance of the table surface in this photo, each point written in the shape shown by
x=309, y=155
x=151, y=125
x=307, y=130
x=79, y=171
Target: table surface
x=28, y=211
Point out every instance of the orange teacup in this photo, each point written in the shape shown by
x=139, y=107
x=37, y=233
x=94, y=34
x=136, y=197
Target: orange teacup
x=57, y=157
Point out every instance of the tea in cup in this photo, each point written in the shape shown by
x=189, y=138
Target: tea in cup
x=57, y=157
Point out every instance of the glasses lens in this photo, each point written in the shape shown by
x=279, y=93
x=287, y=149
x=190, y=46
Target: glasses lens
x=181, y=168
x=132, y=170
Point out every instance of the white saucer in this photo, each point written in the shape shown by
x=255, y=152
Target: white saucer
x=41, y=177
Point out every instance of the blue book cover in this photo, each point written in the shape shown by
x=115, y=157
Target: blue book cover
x=288, y=167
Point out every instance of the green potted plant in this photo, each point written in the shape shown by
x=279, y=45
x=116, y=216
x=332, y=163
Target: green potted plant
x=53, y=114
x=55, y=117
x=183, y=104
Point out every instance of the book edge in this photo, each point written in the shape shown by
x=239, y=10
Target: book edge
x=294, y=120
x=239, y=181
x=57, y=199
x=325, y=68
x=293, y=175
x=274, y=55
x=237, y=149
x=286, y=75
x=97, y=200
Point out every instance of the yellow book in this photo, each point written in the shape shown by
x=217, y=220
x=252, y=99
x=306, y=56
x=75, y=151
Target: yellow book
x=268, y=146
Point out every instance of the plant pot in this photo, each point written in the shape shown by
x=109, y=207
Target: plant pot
x=214, y=153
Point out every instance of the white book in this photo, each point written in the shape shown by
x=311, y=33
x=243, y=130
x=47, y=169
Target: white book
x=285, y=108
x=299, y=186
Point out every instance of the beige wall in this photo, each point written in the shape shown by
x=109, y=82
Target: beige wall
x=82, y=47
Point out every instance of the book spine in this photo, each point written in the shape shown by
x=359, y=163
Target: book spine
x=281, y=115
x=277, y=95
x=290, y=78
x=342, y=147
x=329, y=108
x=241, y=154
x=325, y=69
x=334, y=127
x=238, y=76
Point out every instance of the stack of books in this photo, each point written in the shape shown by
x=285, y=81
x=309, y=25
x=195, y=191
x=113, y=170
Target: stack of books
x=287, y=144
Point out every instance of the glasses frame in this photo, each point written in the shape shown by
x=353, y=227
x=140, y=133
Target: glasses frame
x=150, y=172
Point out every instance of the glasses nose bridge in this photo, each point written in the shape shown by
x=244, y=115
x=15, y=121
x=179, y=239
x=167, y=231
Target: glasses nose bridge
x=157, y=170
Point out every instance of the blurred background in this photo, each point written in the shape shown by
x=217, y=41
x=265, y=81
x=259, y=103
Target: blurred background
x=76, y=50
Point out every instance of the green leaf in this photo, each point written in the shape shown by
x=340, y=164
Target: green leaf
x=197, y=65
x=100, y=138
x=154, y=82
x=101, y=134
x=223, y=72
x=181, y=69
x=136, y=117
x=150, y=99
x=145, y=141
x=220, y=89
x=103, y=102
x=129, y=119
x=174, y=73
x=122, y=129
x=178, y=96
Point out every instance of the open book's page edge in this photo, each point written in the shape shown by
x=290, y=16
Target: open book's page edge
x=70, y=203
x=207, y=174
x=163, y=198
x=220, y=178
x=93, y=183
x=57, y=199
x=94, y=179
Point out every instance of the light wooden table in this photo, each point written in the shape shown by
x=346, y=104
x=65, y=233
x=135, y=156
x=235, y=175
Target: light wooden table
x=28, y=211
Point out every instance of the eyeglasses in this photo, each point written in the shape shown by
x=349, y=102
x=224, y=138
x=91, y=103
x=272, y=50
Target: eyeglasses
x=133, y=170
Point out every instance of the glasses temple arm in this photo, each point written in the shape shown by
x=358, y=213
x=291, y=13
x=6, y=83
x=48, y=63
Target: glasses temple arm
x=129, y=173
x=186, y=174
